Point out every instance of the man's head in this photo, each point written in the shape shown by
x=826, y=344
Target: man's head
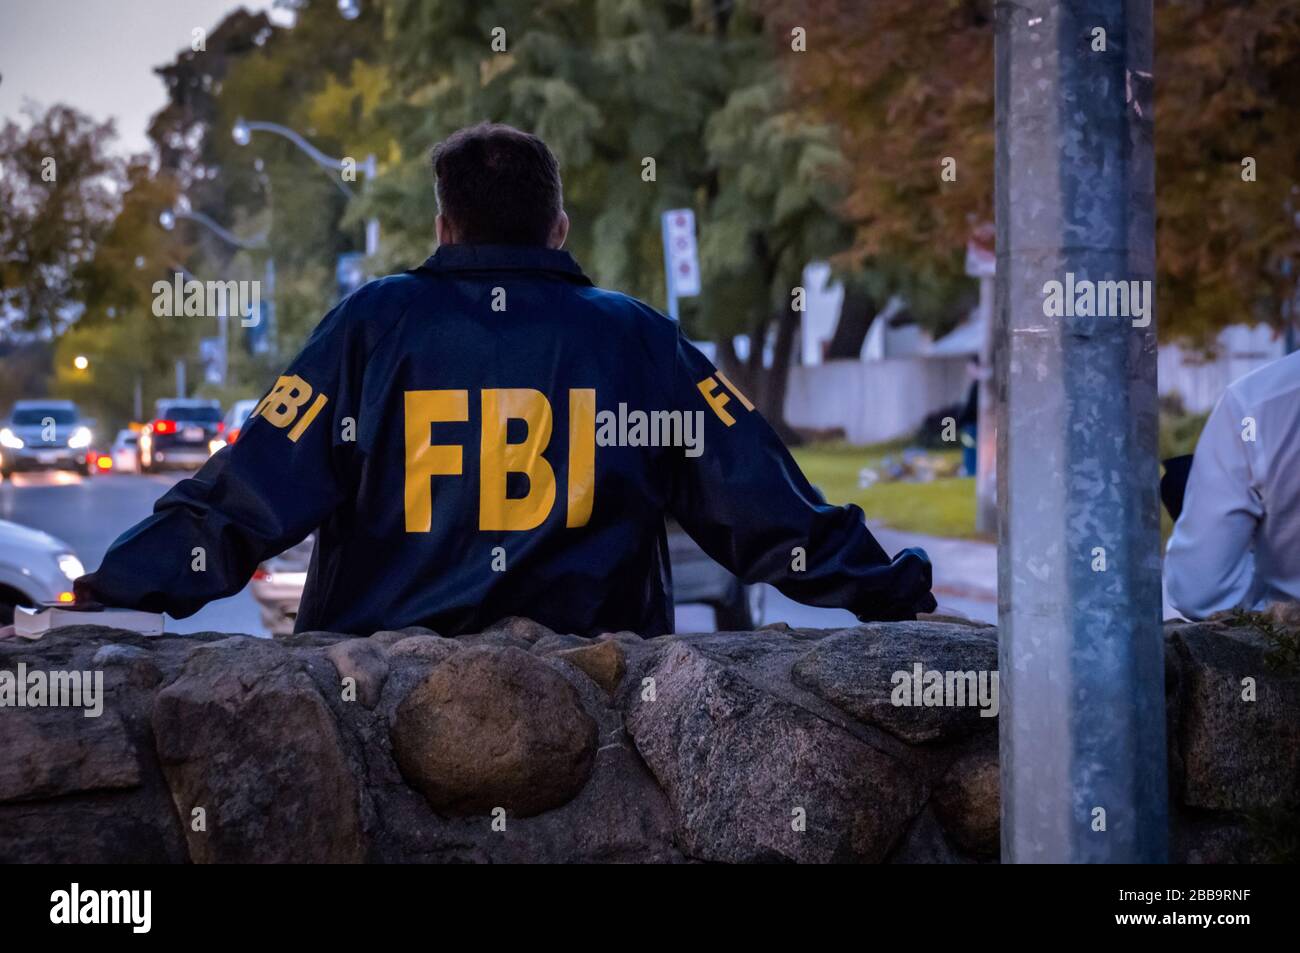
x=497, y=185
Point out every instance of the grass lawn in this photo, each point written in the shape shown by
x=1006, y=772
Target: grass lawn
x=942, y=507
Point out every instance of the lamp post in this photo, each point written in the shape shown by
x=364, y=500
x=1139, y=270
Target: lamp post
x=242, y=133
x=168, y=217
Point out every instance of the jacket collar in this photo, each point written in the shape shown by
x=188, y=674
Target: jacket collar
x=458, y=258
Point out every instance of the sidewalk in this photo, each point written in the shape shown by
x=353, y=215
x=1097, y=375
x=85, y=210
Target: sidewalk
x=966, y=572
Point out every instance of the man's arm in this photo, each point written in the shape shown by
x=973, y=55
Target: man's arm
x=747, y=504
x=1209, y=563
x=252, y=500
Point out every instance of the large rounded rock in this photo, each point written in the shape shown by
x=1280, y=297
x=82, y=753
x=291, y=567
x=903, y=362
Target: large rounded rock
x=248, y=745
x=968, y=801
x=494, y=727
x=868, y=673
x=754, y=777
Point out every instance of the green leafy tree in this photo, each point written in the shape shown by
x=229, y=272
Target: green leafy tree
x=125, y=343
x=612, y=86
x=58, y=183
x=302, y=78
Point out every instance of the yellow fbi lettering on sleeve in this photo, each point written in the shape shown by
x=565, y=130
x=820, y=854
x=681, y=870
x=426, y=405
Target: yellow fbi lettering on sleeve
x=284, y=405
x=718, y=398
x=498, y=458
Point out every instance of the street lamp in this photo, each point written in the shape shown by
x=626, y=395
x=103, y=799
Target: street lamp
x=242, y=132
x=167, y=219
x=80, y=362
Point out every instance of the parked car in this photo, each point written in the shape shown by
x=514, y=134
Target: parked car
x=35, y=568
x=181, y=435
x=697, y=579
x=278, y=583
x=44, y=435
x=126, y=452
x=236, y=417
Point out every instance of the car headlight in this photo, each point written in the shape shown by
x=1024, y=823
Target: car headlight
x=81, y=437
x=71, y=566
x=10, y=439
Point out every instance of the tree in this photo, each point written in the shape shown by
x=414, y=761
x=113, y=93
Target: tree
x=648, y=107
x=58, y=184
x=301, y=77
x=117, y=330
x=909, y=91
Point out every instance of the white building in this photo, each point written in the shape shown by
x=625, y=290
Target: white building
x=902, y=376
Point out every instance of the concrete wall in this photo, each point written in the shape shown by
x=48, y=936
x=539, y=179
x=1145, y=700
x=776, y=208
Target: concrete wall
x=873, y=401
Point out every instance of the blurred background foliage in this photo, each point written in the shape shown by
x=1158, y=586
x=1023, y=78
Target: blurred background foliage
x=787, y=155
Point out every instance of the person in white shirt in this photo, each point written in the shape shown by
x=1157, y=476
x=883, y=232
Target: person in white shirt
x=1237, y=540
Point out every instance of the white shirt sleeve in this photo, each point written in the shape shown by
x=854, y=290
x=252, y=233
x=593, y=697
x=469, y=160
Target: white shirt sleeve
x=1210, y=562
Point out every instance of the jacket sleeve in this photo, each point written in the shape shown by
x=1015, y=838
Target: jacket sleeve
x=744, y=500
x=251, y=500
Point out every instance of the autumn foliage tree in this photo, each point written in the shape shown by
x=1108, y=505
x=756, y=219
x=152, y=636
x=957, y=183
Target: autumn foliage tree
x=909, y=87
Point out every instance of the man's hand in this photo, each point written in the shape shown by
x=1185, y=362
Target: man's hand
x=917, y=576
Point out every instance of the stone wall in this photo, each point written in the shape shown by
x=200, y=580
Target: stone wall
x=519, y=744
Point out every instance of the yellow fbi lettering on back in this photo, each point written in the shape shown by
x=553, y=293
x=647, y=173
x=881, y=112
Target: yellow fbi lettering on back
x=498, y=458
x=283, y=405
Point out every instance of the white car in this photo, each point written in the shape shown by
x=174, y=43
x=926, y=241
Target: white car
x=35, y=568
x=126, y=452
x=278, y=584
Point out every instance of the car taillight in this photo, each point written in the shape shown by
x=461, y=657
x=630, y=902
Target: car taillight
x=104, y=462
x=164, y=426
x=233, y=435
x=221, y=427
x=261, y=575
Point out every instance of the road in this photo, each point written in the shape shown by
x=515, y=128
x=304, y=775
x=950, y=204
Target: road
x=89, y=513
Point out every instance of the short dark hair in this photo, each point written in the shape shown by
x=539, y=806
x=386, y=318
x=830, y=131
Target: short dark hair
x=497, y=185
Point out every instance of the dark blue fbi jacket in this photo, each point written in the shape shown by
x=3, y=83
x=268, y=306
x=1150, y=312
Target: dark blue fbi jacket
x=490, y=435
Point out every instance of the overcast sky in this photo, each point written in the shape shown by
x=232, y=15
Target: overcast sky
x=99, y=55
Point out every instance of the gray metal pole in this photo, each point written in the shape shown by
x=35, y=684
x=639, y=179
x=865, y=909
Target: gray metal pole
x=1082, y=679
x=986, y=446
